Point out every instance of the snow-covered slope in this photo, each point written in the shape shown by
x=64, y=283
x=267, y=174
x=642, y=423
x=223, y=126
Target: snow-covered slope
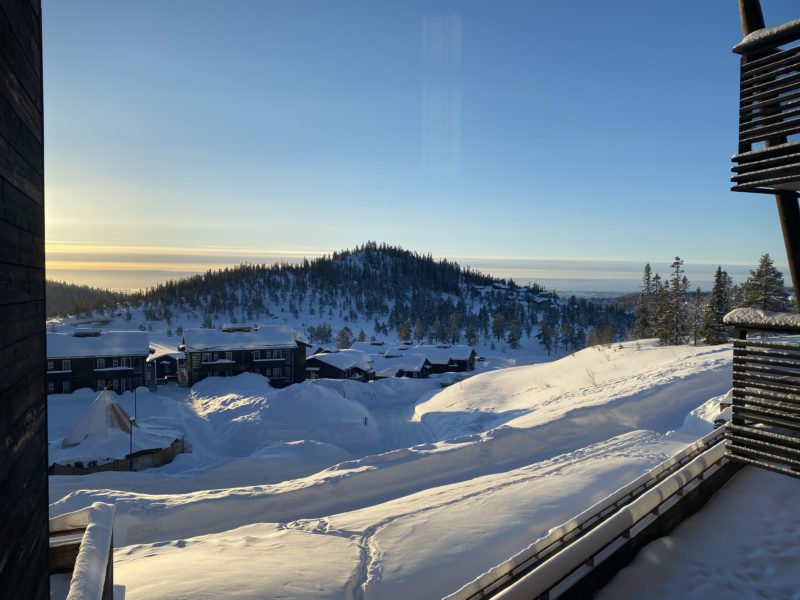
x=445, y=483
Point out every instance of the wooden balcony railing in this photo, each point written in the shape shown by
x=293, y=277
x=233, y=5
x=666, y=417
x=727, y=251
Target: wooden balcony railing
x=82, y=548
x=765, y=415
x=769, y=111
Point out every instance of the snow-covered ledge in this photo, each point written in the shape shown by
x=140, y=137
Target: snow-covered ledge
x=755, y=318
x=89, y=576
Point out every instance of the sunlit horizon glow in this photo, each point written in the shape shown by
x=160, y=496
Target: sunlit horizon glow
x=446, y=128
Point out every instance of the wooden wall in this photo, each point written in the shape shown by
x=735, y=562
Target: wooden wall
x=23, y=408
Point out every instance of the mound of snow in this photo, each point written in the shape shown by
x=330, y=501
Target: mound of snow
x=247, y=413
x=651, y=381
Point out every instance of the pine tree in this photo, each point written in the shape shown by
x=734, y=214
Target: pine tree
x=661, y=301
x=362, y=335
x=344, y=339
x=678, y=327
x=764, y=288
x=471, y=336
x=645, y=325
x=514, y=334
x=714, y=330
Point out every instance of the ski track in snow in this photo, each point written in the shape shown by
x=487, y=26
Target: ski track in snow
x=441, y=448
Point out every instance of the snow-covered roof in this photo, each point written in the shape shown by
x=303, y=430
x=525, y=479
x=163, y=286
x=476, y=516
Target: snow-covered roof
x=388, y=367
x=103, y=433
x=265, y=336
x=766, y=318
x=346, y=359
x=109, y=343
x=369, y=347
x=439, y=355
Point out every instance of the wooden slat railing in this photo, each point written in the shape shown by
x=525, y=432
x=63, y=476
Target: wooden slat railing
x=769, y=111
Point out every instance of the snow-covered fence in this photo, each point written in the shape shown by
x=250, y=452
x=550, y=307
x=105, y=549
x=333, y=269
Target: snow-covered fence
x=90, y=531
x=765, y=416
x=568, y=552
x=144, y=459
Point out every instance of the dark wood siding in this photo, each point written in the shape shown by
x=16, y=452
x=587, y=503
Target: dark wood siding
x=291, y=363
x=23, y=408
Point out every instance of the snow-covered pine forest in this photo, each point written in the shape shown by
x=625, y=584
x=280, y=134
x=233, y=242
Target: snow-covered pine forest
x=374, y=291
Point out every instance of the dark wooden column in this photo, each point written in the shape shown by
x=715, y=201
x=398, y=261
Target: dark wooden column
x=787, y=201
x=23, y=408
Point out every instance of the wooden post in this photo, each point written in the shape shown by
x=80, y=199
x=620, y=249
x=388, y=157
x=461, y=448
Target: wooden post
x=787, y=201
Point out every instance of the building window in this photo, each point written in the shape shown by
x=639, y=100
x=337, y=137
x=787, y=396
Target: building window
x=256, y=354
x=216, y=356
x=115, y=363
x=126, y=362
x=101, y=364
x=286, y=372
x=51, y=388
x=229, y=356
x=206, y=357
x=67, y=365
x=137, y=363
x=50, y=365
x=269, y=353
x=115, y=385
x=66, y=387
x=277, y=372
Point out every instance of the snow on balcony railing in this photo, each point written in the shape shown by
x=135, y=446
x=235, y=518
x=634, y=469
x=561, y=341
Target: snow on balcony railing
x=92, y=573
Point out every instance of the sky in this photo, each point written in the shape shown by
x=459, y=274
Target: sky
x=561, y=141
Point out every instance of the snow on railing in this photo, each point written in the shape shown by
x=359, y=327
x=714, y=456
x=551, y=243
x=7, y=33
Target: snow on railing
x=92, y=577
x=591, y=519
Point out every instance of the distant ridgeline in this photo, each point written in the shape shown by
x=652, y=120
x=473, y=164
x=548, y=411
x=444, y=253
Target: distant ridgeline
x=67, y=298
x=377, y=289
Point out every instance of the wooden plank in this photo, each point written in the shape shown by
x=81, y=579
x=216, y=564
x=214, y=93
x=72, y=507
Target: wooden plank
x=759, y=433
x=19, y=173
x=783, y=64
x=765, y=394
x=769, y=466
x=18, y=247
x=21, y=284
x=14, y=128
x=738, y=450
x=764, y=417
x=26, y=25
x=29, y=75
x=20, y=211
x=747, y=369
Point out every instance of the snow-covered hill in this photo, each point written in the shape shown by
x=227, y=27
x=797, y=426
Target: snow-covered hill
x=437, y=487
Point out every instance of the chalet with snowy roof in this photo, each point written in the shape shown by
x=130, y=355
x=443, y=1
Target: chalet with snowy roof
x=90, y=358
x=416, y=366
x=344, y=364
x=277, y=352
x=444, y=359
x=166, y=366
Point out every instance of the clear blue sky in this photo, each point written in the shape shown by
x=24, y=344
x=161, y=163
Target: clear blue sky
x=185, y=131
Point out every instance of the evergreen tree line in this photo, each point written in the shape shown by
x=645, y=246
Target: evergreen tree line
x=667, y=310
x=403, y=293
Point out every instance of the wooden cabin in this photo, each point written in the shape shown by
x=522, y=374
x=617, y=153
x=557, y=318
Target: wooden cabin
x=275, y=351
x=344, y=364
x=415, y=366
x=446, y=359
x=90, y=358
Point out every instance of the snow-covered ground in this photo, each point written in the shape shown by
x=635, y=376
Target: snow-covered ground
x=745, y=543
x=293, y=493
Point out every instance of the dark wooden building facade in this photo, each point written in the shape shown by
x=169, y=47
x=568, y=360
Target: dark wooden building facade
x=113, y=360
x=274, y=351
x=345, y=364
x=23, y=405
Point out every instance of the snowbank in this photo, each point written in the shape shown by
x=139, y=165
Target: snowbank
x=246, y=412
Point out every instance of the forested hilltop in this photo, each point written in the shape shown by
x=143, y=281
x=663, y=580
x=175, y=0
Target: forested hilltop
x=380, y=291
